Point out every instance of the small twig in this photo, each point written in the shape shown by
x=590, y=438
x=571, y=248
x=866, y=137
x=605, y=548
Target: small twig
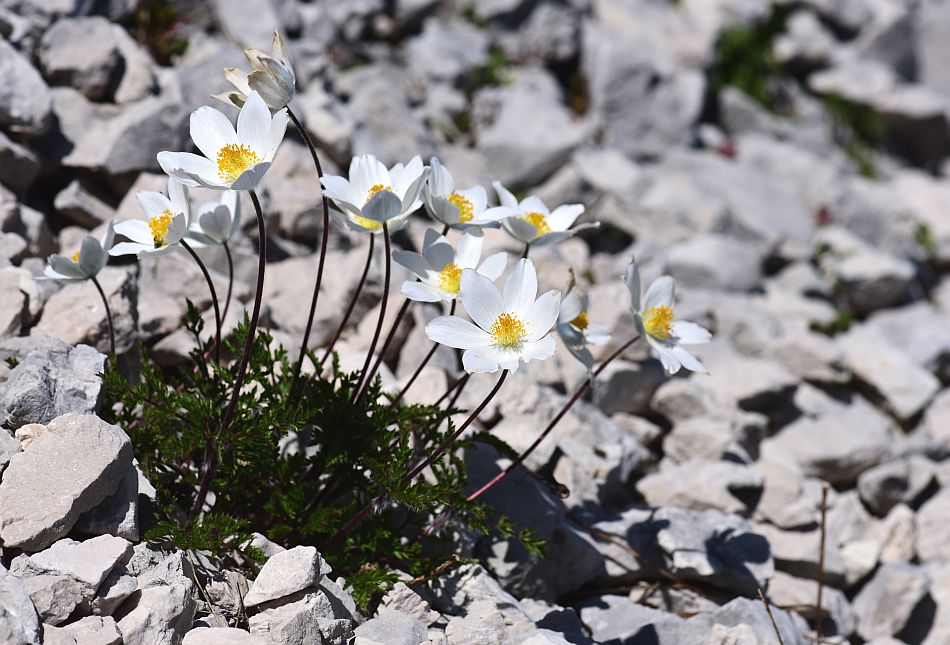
x=105, y=302
x=768, y=610
x=821, y=560
x=352, y=305
x=439, y=570
x=204, y=593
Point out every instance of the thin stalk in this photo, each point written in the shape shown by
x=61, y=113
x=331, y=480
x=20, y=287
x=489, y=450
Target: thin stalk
x=458, y=385
x=214, y=299
x=560, y=415
x=352, y=305
x=227, y=300
x=357, y=519
x=768, y=610
x=425, y=361
x=389, y=339
x=527, y=247
x=325, y=236
x=105, y=302
x=821, y=560
x=364, y=382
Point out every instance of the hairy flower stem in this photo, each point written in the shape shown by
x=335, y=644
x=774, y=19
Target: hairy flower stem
x=214, y=299
x=560, y=415
x=105, y=303
x=365, y=376
x=227, y=299
x=325, y=236
x=363, y=513
x=389, y=339
x=352, y=305
x=425, y=361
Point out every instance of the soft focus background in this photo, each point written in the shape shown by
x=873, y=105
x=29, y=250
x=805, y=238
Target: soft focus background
x=783, y=161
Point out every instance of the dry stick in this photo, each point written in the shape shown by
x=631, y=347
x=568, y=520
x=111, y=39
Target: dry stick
x=210, y=464
x=105, y=302
x=560, y=415
x=425, y=361
x=352, y=305
x=214, y=299
x=357, y=519
x=227, y=300
x=364, y=382
x=821, y=559
x=768, y=610
x=325, y=236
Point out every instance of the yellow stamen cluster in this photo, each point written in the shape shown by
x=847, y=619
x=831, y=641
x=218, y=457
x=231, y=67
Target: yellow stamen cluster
x=580, y=321
x=375, y=189
x=539, y=221
x=159, y=227
x=658, y=322
x=233, y=160
x=75, y=257
x=508, y=331
x=465, y=206
x=449, y=278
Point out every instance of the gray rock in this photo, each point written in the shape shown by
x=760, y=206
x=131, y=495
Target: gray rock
x=626, y=386
x=19, y=166
x=481, y=623
x=402, y=599
x=15, y=313
x=886, y=604
x=114, y=590
x=159, y=615
x=447, y=51
x=75, y=314
x=305, y=617
x=394, y=627
x=117, y=514
x=89, y=562
x=286, y=573
x=24, y=97
x=788, y=591
x=784, y=502
x=550, y=34
x=933, y=534
x=889, y=484
x=81, y=206
x=714, y=261
x=70, y=469
x=91, y=630
x=19, y=624
x=701, y=485
x=460, y=588
x=617, y=619
x=713, y=437
x=221, y=636
x=928, y=346
x=248, y=22
x=82, y=53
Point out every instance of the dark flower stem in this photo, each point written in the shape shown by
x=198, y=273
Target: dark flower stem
x=105, y=303
x=214, y=299
x=325, y=236
x=352, y=305
x=560, y=415
x=364, y=382
x=360, y=516
x=389, y=339
x=458, y=385
x=425, y=361
x=227, y=299
x=527, y=247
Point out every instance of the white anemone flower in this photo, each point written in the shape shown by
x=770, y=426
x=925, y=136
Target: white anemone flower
x=271, y=76
x=373, y=195
x=535, y=224
x=509, y=328
x=656, y=323
x=235, y=159
x=439, y=267
x=575, y=328
x=216, y=222
x=165, y=227
x=85, y=263
x=460, y=209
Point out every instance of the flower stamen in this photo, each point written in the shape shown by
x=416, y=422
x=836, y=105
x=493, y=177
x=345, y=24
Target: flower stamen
x=539, y=221
x=159, y=227
x=375, y=189
x=449, y=279
x=508, y=331
x=75, y=257
x=580, y=321
x=658, y=322
x=233, y=160
x=465, y=206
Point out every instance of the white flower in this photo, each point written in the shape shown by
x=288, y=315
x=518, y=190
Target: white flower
x=272, y=77
x=508, y=329
x=655, y=322
x=575, y=329
x=166, y=225
x=535, y=224
x=217, y=222
x=440, y=267
x=374, y=195
x=460, y=209
x=84, y=264
x=232, y=159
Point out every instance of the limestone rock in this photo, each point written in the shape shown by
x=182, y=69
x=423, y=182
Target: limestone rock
x=19, y=624
x=221, y=636
x=886, y=604
x=390, y=626
x=286, y=573
x=24, y=97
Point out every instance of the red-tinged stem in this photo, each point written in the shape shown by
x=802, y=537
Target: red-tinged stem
x=352, y=305
x=364, y=382
x=389, y=339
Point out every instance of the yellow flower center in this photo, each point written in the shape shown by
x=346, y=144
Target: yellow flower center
x=508, y=331
x=159, y=227
x=658, y=322
x=449, y=278
x=465, y=206
x=366, y=222
x=233, y=160
x=375, y=189
x=580, y=321
x=539, y=221
x=75, y=257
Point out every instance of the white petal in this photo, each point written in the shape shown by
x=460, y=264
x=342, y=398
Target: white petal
x=191, y=169
x=662, y=293
x=176, y=229
x=667, y=359
x=475, y=361
x=91, y=256
x=542, y=315
x=420, y=291
x=253, y=125
x=496, y=214
x=494, y=265
x=438, y=252
x=216, y=223
x=456, y=332
x=520, y=229
x=597, y=334
x=687, y=360
x=278, y=128
x=440, y=179
x=632, y=280
x=533, y=204
x=153, y=204
x=411, y=197
x=66, y=267
x=689, y=333
x=407, y=177
x=539, y=350
x=338, y=188
x=504, y=195
x=563, y=216
x=571, y=306
x=412, y=261
x=478, y=197
x=128, y=248
x=481, y=298
x=250, y=178
x=108, y=236
x=521, y=289
x=136, y=230
x=211, y=131
x=178, y=196
x=468, y=250
x=384, y=206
